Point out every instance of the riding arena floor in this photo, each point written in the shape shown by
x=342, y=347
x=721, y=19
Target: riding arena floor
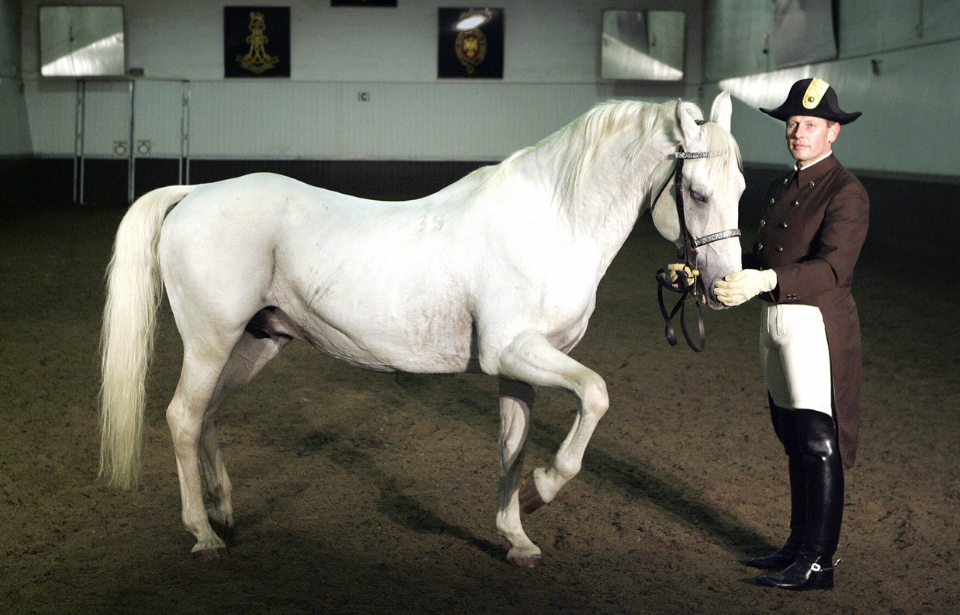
x=361, y=493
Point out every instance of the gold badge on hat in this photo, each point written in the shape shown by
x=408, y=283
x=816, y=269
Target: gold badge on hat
x=815, y=92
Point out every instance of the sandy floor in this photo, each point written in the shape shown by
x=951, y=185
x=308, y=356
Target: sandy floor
x=360, y=492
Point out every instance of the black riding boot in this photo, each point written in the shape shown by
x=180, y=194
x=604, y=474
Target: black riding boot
x=823, y=469
x=783, y=557
x=785, y=426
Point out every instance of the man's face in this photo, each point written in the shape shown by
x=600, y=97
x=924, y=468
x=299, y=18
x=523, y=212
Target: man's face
x=808, y=138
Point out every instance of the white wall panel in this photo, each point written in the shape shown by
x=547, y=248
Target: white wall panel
x=52, y=115
x=909, y=116
x=908, y=107
x=875, y=26
x=260, y=119
x=107, y=118
x=457, y=121
x=736, y=34
x=159, y=109
x=546, y=41
x=14, y=129
x=550, y=76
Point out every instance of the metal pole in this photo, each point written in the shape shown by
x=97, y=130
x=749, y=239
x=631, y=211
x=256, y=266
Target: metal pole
x=184, y=177
x=132, y=151
x=78, y=143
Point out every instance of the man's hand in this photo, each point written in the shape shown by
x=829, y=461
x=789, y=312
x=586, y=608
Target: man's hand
x=680, y=276
x=744, y=285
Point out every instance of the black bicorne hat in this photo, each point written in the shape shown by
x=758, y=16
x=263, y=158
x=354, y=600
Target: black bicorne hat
x=813, y=98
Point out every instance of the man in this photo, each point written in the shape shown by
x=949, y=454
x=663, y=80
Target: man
x=802, y=268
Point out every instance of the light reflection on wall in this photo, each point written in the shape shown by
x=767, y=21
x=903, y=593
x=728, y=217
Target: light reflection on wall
x=81, y=41
x=766, y=90
x=642, y=45
x=103, y=57
x=621, y=61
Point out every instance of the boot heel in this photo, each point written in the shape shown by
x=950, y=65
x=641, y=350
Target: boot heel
x=806, y=573
x=824, y=580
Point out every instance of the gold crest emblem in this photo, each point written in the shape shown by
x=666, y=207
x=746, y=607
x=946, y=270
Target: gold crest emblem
x=471, y=47
x=257, y=59
x=814, y=93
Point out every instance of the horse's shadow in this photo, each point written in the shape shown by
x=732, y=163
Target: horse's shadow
x=631, y=477
x=403, y=509
x=678, y=499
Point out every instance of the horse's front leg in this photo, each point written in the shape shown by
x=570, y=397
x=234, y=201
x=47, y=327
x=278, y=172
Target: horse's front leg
x=516, y=401
x=532, y=359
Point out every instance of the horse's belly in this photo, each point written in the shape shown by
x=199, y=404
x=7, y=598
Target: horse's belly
x=419, y=354
x=375, y=340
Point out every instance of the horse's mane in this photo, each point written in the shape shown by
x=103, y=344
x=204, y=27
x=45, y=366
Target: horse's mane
x=587, y=138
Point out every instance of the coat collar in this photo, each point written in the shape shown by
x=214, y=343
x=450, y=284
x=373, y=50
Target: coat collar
x=815, y=172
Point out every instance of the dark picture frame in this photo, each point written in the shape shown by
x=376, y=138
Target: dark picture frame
x=378, y=3
x=256, y=41
x=472, y=54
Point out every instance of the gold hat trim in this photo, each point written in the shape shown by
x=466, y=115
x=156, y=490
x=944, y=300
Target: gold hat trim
x=814, y=93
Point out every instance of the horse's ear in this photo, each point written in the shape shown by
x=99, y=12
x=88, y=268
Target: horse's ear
x=689, y=129
x=722, y=110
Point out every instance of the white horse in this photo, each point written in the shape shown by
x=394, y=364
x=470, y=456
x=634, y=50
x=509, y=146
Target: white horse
x=496, y=273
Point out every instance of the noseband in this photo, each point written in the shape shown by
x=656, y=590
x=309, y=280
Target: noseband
x=686, y=285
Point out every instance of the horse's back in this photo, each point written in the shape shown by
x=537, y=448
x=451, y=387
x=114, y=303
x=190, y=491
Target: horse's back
x=363, y=280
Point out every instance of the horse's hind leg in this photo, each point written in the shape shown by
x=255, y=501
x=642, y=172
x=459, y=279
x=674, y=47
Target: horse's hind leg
x=204, y=385
x=516, y=401
x=219, y=489
x=249, y=356
x=531, y=358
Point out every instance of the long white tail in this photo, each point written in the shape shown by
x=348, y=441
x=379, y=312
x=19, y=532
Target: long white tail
x=134, y=292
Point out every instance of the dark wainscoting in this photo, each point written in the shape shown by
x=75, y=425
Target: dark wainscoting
x=45, y=181
x=906, y=216
x=27, y=183
x=383, y=180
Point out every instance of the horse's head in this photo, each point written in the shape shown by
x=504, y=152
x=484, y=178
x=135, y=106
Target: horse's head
x=712, y=185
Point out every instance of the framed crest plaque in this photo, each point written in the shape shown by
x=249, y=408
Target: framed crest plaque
x=256, y=41
x=470, y=43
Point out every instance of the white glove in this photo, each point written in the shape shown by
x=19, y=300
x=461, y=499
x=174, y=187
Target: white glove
x=744, y=285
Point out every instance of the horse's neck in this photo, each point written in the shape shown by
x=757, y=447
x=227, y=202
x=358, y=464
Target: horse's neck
x=611, y=196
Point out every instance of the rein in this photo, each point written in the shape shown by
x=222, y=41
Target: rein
x=686, y=285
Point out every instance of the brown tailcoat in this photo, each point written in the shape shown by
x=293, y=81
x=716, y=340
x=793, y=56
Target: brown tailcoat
x=815, y=224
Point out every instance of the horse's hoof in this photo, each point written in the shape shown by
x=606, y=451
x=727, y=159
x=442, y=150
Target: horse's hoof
x=530, y=499
x=225, y=532
x=526, y=561
x=210, y=555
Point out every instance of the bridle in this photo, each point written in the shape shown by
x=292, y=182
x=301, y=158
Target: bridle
x=686, y=284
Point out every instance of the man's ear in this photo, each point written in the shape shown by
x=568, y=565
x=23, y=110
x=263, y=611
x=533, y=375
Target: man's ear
x=834, y=132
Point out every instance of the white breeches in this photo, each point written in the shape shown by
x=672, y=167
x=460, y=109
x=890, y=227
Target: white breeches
x=795, y=357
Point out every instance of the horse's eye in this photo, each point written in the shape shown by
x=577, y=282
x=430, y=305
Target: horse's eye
x=698, y=196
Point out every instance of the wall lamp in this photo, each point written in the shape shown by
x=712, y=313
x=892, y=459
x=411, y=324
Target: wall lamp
x=473, y=19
